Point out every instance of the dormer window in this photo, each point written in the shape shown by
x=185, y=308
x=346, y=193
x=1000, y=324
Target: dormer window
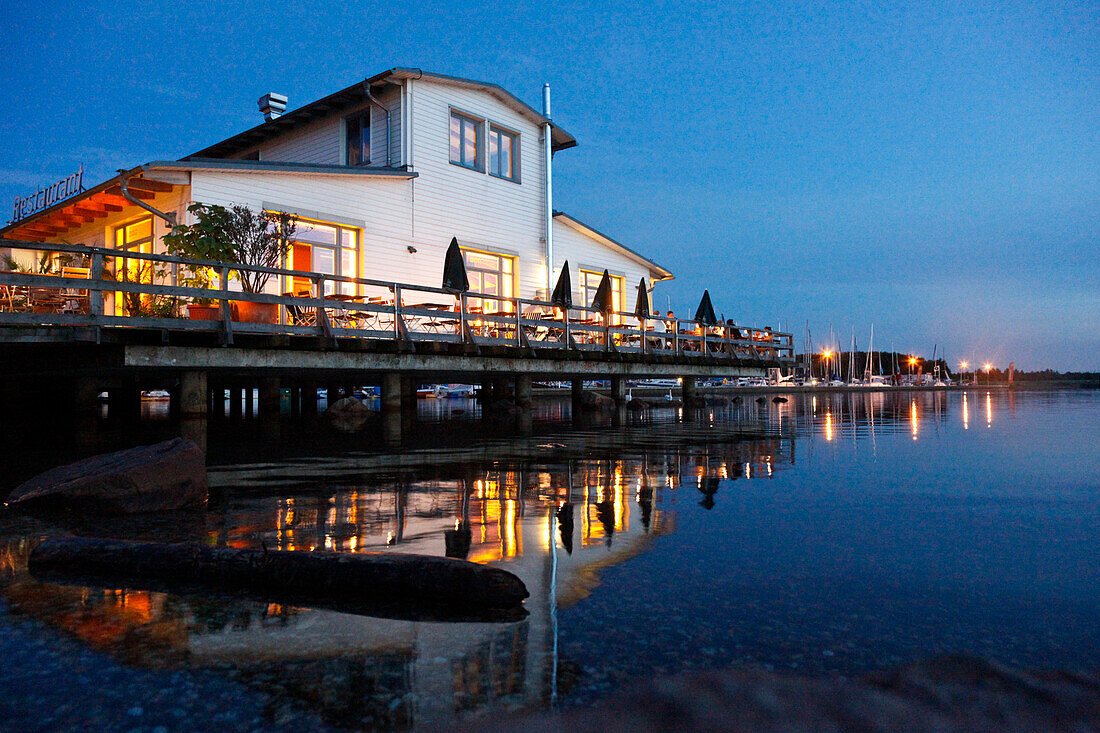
x=358, y=131
x=465, y=141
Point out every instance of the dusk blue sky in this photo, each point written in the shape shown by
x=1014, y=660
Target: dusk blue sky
x=931, y=169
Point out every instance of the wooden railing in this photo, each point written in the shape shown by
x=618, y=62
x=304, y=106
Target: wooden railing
x=145, y=295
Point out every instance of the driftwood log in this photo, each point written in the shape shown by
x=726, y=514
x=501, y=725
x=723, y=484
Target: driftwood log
x=332, y=579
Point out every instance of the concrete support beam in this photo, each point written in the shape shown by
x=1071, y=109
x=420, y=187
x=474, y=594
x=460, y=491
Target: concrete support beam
x=391, y=408
x=194, y=398
x=270, y=397
x=523, y=391
x=618, y=390
x=687, y=392
x=309, y=399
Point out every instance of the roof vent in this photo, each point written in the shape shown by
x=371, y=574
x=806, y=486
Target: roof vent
x=272, y=105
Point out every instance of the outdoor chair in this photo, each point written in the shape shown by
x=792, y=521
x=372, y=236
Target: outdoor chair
x=74, y=300
x=299, y=316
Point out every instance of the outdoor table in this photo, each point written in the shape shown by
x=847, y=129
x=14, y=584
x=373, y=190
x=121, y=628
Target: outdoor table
x=433, y=323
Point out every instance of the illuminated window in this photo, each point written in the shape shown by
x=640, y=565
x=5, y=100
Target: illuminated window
x=328, y=249
x=465, y=141
x=590, y=282
x=137, y=236
x=492, y=274
x=358, y=136
x=503, y=147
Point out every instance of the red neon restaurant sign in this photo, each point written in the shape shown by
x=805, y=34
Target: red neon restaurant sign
x=46, y=197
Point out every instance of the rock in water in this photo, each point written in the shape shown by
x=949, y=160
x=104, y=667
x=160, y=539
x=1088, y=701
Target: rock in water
x=348, y=415
x=150, y=478
x=596, y=401
x=637, y=405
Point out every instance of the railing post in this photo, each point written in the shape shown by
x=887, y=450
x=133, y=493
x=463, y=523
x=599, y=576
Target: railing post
x=519, y=325
x=463, y=319
x=641, y=325
x=227, y=327
x=322, y=321
x=95, y=297
x=399, y=331
x=567, y=333
x=675, y=336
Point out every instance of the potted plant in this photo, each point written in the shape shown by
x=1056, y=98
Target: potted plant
x=238, y=235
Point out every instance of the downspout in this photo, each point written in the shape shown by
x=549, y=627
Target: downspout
x=549, y=193
x=370, y=97
x=123, y=177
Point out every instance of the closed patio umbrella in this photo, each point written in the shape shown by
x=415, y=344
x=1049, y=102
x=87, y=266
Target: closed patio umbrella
x=454, y=269
x=601, y=301
x=705, y=312
x=563, y=291
x=641, y=308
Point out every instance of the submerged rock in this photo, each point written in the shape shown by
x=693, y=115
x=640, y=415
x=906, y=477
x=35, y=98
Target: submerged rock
x=638, y=405
x=150, y=478
x=348, y=415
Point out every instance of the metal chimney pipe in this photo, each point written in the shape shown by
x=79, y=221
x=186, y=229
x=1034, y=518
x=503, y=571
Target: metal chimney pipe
x=549, y=191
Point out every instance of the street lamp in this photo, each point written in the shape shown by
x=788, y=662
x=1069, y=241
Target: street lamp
x=825, y=356
x=987, y=367
x=912, y=362
x=962, y=371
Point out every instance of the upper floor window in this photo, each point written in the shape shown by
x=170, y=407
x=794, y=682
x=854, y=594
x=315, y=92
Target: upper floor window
x=503, y=146
x=358, y=129
x=465, y=141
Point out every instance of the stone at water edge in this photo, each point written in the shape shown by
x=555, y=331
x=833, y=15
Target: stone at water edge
x=348, y=415
x=151, y=478
x=596, y=401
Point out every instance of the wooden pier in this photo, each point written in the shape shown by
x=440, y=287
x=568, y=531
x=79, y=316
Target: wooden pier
x=120, y=324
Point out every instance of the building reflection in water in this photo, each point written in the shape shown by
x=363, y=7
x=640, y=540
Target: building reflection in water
x=554, y=513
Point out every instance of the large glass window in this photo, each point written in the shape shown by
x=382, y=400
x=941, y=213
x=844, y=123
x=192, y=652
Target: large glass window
x=491, y=274
x=590, y=282
x=358, y=129
x=503, y=146
x=137, y=236
x=329, y=249
x=465, y=141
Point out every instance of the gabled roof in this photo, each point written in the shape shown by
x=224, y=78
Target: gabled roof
x=355, y=95
x=656, y=271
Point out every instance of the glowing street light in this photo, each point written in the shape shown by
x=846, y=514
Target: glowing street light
x=912, y=363
x=825, y=356
x=962, y=369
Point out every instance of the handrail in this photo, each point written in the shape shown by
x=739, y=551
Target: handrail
x=513, y=321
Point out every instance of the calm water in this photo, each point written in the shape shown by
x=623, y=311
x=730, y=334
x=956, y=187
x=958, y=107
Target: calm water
x=829, y=534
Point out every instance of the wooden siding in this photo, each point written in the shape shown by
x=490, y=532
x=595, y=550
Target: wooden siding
x=481, y=210
x=586, y=252
x=322, y=142
x=384, y=206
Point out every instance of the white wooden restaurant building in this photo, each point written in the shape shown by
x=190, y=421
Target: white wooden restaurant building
x=382, y=175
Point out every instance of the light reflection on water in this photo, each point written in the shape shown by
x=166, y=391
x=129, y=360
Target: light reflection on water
x=873, y=528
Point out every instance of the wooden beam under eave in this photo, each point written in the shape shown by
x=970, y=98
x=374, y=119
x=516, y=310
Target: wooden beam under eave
x=112, y=202
x=146, y=184
x=138, y=194
x=43, y=229
x=91, y=214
